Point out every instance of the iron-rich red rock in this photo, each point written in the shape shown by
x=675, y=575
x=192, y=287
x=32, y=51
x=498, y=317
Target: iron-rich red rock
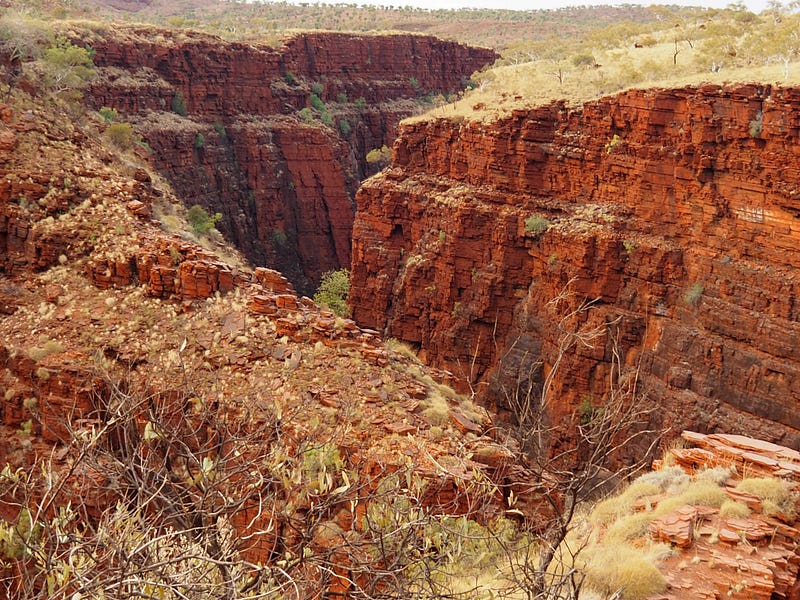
x=284, y=187
x=668, y=208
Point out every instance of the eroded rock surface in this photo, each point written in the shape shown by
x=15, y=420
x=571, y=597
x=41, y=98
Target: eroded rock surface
x=284, y=185
x=674, y=211
x=753, y=557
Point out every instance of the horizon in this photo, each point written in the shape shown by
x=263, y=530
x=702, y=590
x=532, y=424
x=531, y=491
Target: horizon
x=755, y=6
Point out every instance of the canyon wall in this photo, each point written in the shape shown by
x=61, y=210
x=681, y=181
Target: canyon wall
x=673, y=212
x=224, y=125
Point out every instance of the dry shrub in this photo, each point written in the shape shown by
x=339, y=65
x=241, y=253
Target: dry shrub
x=731, y=509
x=121, y=135
x=775, y=496
x=613, y=508
x=612, y=569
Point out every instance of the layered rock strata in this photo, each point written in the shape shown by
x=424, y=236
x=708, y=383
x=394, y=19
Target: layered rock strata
x=221, y=121
x=674, y=213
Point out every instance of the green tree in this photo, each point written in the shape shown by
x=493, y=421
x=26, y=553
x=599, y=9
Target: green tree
x=66, y=66
x=333, y=291
x=201, y=221
x=179, y=104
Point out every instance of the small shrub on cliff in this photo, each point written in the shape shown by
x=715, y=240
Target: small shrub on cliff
x=379, y=156
x=756, y=125
x=307, y=115
x=278, y=237
x=179, y=104
x=201, y=221
x=344, y=126
x=109, y=114
x=121, y=135
x=317, y=88
x=333, y=291
x=220, y=129
x=199, y=141
x=536, y=225
x=289, y=78
x=360, y=103
x=316, y=103
x=693, y=294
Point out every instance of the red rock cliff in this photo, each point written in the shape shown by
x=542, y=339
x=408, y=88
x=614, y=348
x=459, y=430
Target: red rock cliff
x=284, y=185
x=677, y=210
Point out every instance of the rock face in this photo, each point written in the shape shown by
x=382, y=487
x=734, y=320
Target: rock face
x=674, y=212
x=221, y=119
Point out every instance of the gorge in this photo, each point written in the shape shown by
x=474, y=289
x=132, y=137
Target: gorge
x=284, y=183
x=662, y=207
x=176, y=416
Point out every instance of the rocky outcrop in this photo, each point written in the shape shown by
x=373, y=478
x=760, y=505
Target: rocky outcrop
x=752, y=555
x=98, y=302
x=674, y=212
x=221, y=119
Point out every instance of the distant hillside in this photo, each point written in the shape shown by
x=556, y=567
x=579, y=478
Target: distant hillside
x=498, y=28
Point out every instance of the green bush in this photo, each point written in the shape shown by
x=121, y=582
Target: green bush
x=379, y=156
x=121, y=135
x=342, y=98
x=317, y=88
x=360, y=103
x=536, y=225
x=333, y=291
x=201, y=221
x=199, y=141
x=289, y=78
x=307, y=115
x=344, y=126
x=316, y=103
x=109, y=114
x=179, y=104
x=220, y=129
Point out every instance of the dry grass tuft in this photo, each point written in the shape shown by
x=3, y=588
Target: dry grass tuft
x=775, y=496
x=731, y=509
x=620, y=568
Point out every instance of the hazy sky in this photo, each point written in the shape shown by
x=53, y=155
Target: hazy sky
x=754, y=5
